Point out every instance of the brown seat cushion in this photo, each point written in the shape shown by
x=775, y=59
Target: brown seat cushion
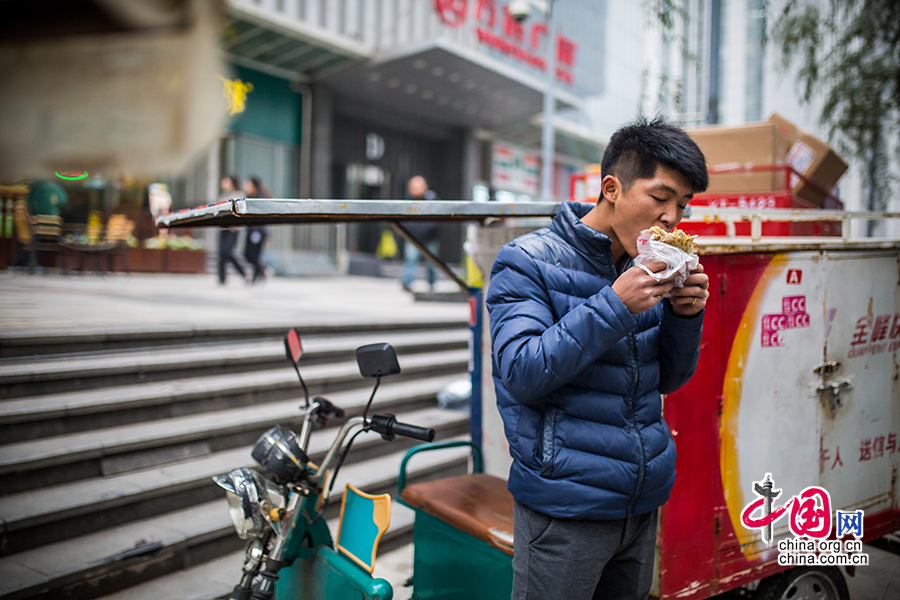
x=478, y=504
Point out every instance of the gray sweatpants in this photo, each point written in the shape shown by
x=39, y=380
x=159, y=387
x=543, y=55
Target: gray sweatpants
x=580, y=560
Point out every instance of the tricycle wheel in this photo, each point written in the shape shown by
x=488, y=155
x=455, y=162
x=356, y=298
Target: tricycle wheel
x=804, y=583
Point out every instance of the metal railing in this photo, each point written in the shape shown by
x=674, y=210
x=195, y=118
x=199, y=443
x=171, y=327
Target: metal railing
x=756, y=217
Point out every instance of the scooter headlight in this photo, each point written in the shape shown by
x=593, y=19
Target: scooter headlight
x=278, y=452
x=245, y=493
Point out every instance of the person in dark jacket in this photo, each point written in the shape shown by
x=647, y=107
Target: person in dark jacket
x=256, y=234
x=584, y=343
x=231, y=188
x=427, y=232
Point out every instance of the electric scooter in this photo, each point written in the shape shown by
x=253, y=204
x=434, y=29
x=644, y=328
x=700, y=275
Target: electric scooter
x=278, y=508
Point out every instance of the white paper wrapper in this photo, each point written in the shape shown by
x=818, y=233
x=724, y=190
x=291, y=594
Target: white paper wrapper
x=678, y=263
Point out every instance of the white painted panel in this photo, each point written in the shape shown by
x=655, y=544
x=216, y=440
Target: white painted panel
x=863, y=298
x=778, y=418
x=814, y=308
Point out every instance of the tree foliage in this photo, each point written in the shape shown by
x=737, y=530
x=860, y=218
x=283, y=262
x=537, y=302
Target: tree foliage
x=668, y=13
x=849, y=51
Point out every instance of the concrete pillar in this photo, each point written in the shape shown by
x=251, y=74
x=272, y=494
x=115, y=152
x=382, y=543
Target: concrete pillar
x=471, y=164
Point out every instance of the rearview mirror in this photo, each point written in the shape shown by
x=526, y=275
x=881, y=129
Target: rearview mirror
x=377, y=359
x=292, y=346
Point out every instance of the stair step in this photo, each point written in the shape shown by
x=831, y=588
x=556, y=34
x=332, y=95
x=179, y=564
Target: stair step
x=208, y=581
x=53, y=513
x=216, y=578
x=21, y=344
x=27, y=377
x=116, y=558
x=57, y=414
x=106, y=451
x=79, y=561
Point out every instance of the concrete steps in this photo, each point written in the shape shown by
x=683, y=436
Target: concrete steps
x=54, y=374
x=106, y=456
x=28, y=465
x=216, y=578
x=67, y=510
x=24, y=345
x=101, y=562
x=69, y=412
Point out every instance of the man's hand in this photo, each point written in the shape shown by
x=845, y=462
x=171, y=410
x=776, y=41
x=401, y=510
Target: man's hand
x=687, y=301
x=640, y=292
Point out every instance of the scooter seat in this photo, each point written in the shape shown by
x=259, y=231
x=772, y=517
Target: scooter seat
x=478, y=504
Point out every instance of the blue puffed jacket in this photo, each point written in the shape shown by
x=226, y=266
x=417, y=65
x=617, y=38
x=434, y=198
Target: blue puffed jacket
x=578, y=377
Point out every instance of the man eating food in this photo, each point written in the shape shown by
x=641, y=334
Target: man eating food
x=583, y=346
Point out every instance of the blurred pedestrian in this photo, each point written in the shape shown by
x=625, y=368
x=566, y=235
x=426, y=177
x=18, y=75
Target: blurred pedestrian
x=256, y=234
x=231, y=188
x=426, y=232
x=160, y=203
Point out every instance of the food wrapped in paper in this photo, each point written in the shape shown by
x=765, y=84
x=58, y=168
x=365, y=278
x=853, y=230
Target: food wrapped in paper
x=675, y=248
x=676, y=237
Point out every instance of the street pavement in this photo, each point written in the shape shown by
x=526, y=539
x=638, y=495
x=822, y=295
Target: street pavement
x=47, y=303
x=51, y=302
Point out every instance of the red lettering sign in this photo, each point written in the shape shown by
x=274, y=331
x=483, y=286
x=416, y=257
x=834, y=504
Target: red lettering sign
x=455, y=12
x=792, y=305
x=452, y=12
x=865, y=449
x=895, y=327
x=794, y=276
x=880, y=328
x=861, y=335
x=878, y=446
x=565, y=52
x=537, y=30
x=511, y=28
x=491, y=8
x=837, y=459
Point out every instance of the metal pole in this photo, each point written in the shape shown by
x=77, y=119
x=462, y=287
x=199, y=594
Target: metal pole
x=547, y=133
x=476, y=324
x=431, y=257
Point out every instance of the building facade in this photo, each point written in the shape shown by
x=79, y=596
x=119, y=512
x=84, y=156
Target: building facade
x=720, y=66
x=351, y=98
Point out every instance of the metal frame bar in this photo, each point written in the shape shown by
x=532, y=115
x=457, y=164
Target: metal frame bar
x=700, y=213
x=243, y=211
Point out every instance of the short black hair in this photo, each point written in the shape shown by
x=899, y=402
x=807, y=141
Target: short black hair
x=634, y=152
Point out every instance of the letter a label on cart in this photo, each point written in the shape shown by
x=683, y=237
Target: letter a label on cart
x=793, y=315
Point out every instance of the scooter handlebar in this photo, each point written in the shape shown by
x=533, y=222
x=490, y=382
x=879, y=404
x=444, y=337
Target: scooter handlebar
x=426, y=434
x=389, y=427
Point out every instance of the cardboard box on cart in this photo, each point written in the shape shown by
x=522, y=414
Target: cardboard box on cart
x=777, y=141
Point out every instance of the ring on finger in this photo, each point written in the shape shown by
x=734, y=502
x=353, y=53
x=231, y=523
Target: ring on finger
x=695, y=301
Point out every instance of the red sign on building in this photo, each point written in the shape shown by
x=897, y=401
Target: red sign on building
x=510, y=37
